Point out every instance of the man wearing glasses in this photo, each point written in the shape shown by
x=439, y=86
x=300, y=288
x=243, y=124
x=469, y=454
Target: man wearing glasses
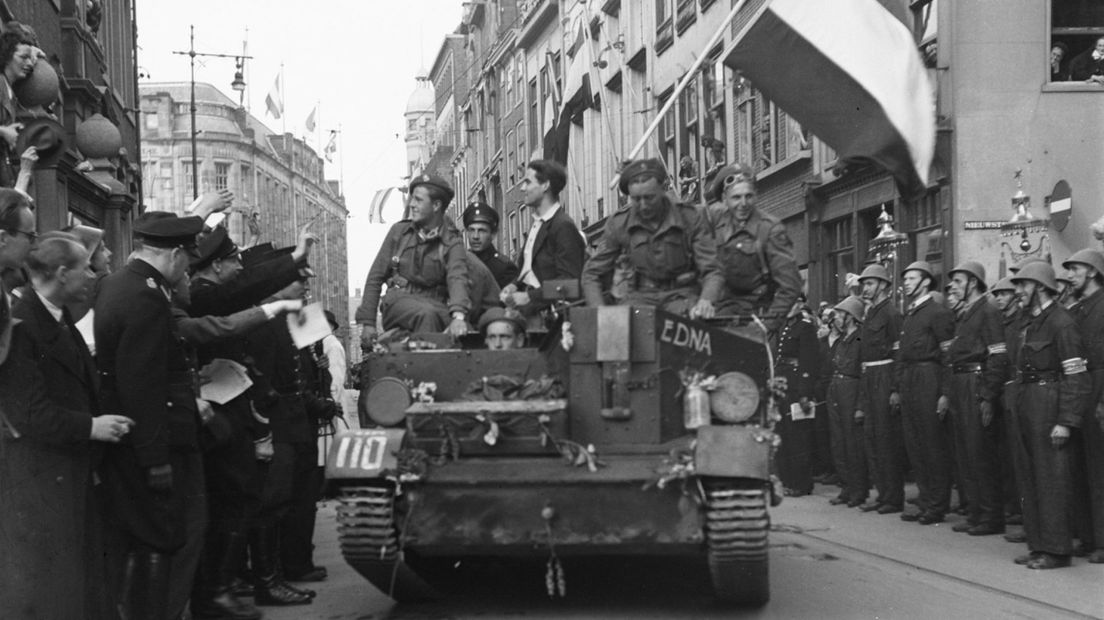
x=756, y=254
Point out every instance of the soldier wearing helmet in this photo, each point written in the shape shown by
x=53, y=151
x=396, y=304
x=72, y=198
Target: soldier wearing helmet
x=1004, y=295
x=926, y=329
x=848, y=451
x=882, y=423
x=1054, y=387
x=1086, y=271
x=970, y=394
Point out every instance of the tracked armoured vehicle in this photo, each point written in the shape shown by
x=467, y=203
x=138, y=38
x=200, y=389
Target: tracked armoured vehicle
x=612, y=469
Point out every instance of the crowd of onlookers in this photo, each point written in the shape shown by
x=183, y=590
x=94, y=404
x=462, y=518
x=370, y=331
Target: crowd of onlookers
x=1087, y=66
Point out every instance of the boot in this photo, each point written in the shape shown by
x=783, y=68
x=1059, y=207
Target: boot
x=268, y=588
x=145, y=589
x=214, y=596
x=278, y=563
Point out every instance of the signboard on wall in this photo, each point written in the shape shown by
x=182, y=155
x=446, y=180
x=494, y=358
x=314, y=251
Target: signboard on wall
x=1061, y=205
x=982, y=224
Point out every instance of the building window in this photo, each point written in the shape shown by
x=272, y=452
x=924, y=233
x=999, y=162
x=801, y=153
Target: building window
x=151, y=122
x=222, y=175
x=665, y=29
x=511, y=158
x=189, y=179
x=841, y=255
x=668, y=130
x=245, y=183
x=535, y=119
x=744, y=98
x=523, y=155
x=1075, y=27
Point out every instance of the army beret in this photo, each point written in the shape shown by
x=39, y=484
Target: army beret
x=480, y=212
x=732, y=173
x=638, y=167
x=215, y=246
x=433, y=181
x=161, y=229
x=493, y=315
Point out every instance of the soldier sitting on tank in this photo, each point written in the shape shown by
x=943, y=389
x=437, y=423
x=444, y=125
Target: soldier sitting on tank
x=663, y=250
x=502, y=329
x=755, y=253
x=424, y=264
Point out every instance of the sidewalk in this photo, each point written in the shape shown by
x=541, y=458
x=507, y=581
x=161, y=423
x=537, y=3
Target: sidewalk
x=982, y=560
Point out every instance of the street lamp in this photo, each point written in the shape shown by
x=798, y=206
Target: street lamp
x=238, y=85
x=1022, y=223
x=883, y=247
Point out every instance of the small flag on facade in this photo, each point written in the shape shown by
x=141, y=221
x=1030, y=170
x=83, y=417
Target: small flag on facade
x=274, y=101
x=331, y=146
x=310, y=120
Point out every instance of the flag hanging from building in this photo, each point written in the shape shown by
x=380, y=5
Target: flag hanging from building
x=274, y=101
x=331, y=146
x=310, y=120
x=850, y=72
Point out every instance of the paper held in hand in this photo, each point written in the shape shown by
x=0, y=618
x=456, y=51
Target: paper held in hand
x=308, y=326
x=223, y=380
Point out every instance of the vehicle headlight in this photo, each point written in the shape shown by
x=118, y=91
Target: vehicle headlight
x=735, y=398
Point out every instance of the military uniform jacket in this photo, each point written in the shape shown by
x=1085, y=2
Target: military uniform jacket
x=878, y=341
x=845, y=356
x=1090, y=321
x=799, y=351
x=979, y=339
x=926, y=327
x=678, y=245
x=1051, y=344
x=1011, y=326
x=434, y=266
x=284, y=369
x=483, y=291
x=504, y=272
x=757, y=259
x=145, y=367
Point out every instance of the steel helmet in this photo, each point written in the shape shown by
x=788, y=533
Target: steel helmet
x=1087, y=256
x=973, y=268
x=1037, y=271
x=1026, y=262
x=922, y=266
x=1004, y=284
x=853, y=306
x=876, y=271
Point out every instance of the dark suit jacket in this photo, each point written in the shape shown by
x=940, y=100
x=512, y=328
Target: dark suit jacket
x=558, y=251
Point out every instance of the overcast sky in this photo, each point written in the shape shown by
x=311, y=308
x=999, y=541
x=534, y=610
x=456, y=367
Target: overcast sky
x=357, y=58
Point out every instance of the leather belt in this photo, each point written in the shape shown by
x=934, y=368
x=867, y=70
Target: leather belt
x=868, y=365
x=967, y=367
x=1037, y=376
x=645, y=283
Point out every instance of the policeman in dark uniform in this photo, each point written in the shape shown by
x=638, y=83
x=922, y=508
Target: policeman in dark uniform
x=926, y=327
x=1086, y=270
x=481, y=225
x=755, y=253
x=881, y=421
x=797, y=359
x=222, y=287
x=659, y=250
x=154, y=477
x=970, y=396
x=1054, y=387
x=422, y=261
x=848, y=450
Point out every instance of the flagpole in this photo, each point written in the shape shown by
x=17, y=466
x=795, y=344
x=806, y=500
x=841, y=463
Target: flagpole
x=341, y=165
x=721, y=28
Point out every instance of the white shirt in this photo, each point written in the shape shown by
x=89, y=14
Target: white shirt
x=527, y=275
x=51, y=308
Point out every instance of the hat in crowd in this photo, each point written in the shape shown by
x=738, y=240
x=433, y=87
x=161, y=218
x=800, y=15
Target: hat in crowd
x=876, y=271
x=1026, y=261
x=215, y=246
x=161, y=229
x=1087, y=256
x=256, y=254
x=331, y=319
x=433, y=181
x=728, y=175
x=493, y=315
x=853, y=306
x=1004, y=284
x=480, y=212
x=972, y=268
x=48, y=138
x=90, y=237
x=1037, y=271
x=638, y=167
x=922, y=266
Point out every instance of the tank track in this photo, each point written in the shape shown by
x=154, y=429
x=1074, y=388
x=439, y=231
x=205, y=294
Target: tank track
x=369, y=542
x=737, y=526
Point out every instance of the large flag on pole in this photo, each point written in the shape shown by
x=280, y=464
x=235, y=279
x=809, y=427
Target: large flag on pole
x=310, y=124
x=850, y=72
x=331, y=146
x=274, y=101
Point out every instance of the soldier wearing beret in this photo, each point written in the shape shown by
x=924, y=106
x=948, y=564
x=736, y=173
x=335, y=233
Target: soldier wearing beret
x=666, y=252
x=422, y=261
x=481, y=225
x=154, y=477
x=754, y=251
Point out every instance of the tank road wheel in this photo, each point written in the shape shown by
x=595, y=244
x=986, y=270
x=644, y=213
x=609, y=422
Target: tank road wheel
x=369, y=542
x=736, y=529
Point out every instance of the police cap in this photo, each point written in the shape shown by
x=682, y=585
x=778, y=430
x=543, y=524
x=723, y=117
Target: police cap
x=480, y=212
x=214, y=247
x=642, y=167
x=435, y=182
x=161, y=229
x=493, y=315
